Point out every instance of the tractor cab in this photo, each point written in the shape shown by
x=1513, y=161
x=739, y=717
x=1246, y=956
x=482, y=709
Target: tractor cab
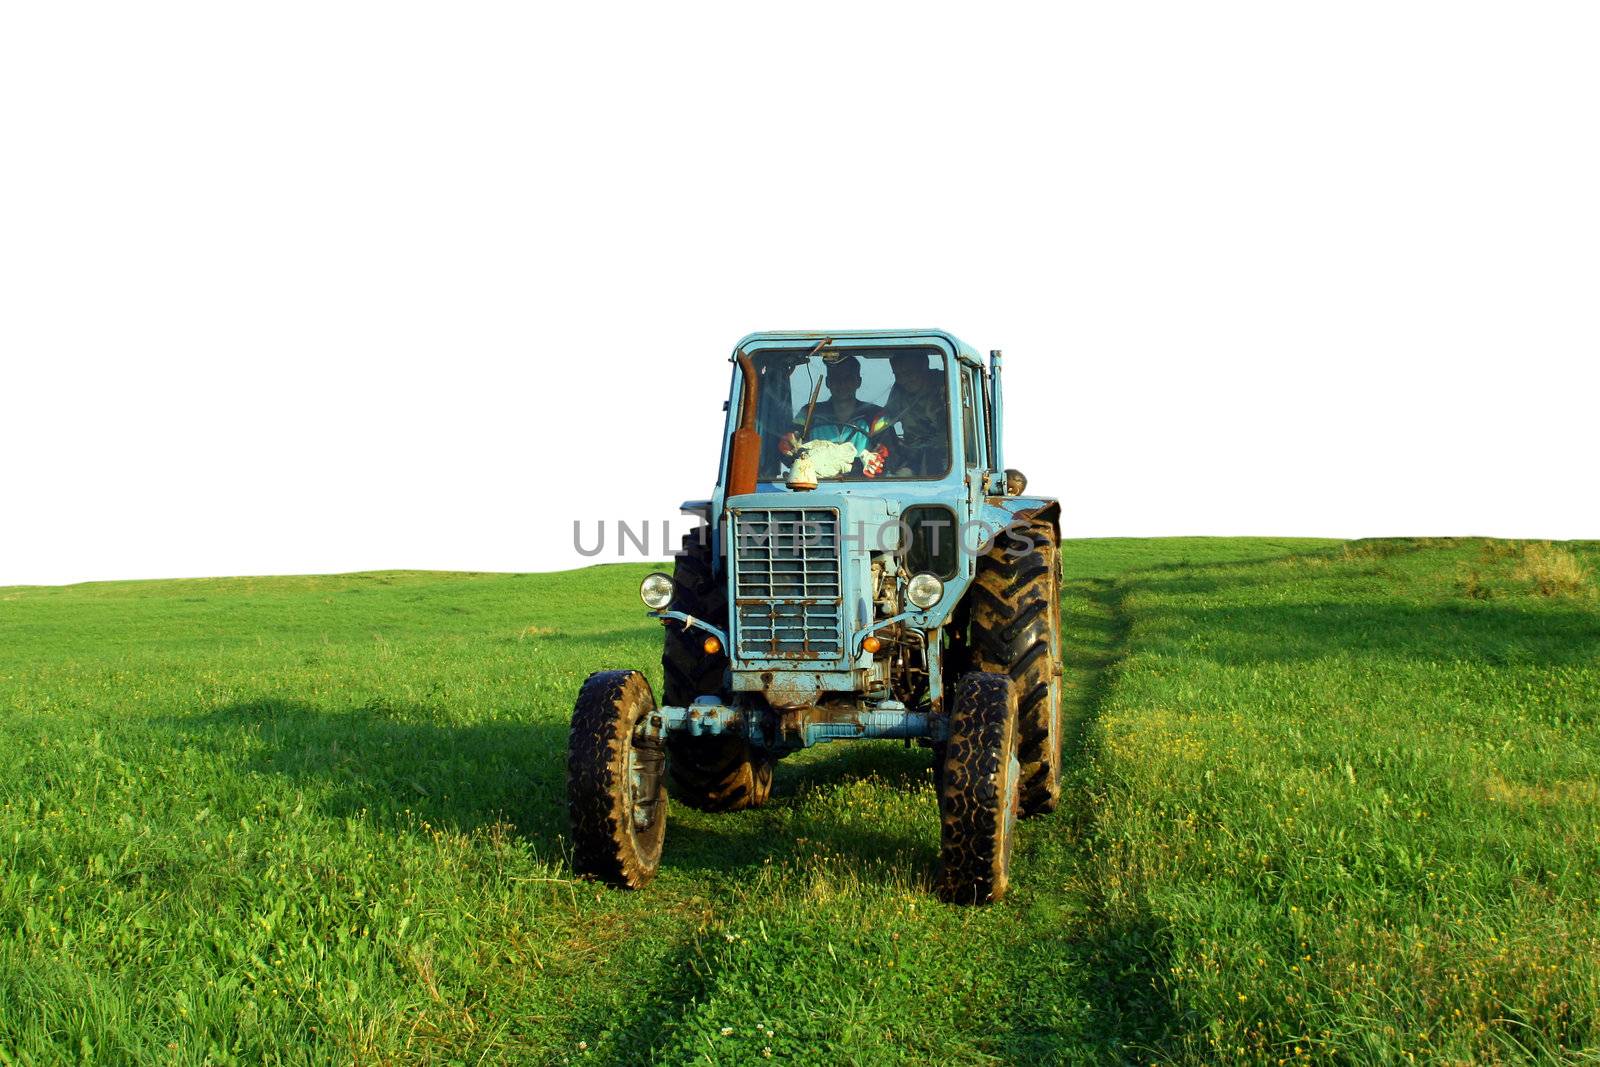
x=877, y=485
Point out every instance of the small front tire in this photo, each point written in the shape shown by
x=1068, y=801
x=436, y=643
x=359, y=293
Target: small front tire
x=978, y=795
x=616, y=781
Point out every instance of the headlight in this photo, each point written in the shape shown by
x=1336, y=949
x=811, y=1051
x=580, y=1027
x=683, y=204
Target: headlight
x=924, y=590
x=656, y=591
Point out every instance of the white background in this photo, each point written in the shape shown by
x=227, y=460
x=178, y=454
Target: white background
x=319, y=287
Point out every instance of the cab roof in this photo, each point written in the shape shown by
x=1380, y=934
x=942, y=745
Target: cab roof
x=961, y=348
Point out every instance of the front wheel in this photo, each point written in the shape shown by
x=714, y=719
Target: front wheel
x=978, y=793
x=616, y=789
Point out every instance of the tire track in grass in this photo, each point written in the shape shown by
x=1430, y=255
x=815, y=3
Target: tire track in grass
x=1066, y=939
x=1120, y=954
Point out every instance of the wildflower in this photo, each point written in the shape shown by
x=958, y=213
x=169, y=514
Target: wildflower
x=726, y=1031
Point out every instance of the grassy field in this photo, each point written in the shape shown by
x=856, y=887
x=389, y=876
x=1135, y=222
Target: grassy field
x=1326, y=802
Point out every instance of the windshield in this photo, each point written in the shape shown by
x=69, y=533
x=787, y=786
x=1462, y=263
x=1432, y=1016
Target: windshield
x=853, y=414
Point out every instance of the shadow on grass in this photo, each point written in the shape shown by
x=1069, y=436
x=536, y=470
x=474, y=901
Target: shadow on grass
x=840, y=763
x=742, y=842
x=390, y=760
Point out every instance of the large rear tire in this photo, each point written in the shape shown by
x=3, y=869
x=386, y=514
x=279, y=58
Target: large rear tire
x=687, y=669
x=616, y=796
x=719, y=773
x=1016, y=631
x=979, y=797
x=709, y=773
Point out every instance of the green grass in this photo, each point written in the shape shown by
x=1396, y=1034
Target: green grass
x=1324, y=802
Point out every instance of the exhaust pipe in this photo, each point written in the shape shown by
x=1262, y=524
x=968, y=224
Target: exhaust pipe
x=745, y=455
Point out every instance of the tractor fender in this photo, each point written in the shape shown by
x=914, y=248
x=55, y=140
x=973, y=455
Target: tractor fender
x=998, y=512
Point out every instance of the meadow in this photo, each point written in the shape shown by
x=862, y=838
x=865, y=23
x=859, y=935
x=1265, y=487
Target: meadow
x=1325, y=802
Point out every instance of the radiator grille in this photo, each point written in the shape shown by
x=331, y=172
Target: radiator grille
x=786, y=583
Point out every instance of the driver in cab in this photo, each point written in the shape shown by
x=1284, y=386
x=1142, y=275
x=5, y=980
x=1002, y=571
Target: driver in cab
x=845, y=419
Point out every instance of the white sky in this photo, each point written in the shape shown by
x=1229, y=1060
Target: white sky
x=318, y=287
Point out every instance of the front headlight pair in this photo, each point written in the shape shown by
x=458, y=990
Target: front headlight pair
x=923, y=591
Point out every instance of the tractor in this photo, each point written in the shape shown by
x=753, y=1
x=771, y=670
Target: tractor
x=866, y=568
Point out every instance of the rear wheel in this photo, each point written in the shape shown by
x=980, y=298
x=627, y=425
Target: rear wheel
x=687, y=669
x=978, y=798
x=709, y=773
x=718, y=773
x=616, y=799
x=1016, y=631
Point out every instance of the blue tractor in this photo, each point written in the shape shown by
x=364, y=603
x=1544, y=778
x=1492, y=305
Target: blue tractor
x=867, y=568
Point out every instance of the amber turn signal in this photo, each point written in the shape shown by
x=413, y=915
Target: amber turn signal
x=871, y=644
x=712, y=646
